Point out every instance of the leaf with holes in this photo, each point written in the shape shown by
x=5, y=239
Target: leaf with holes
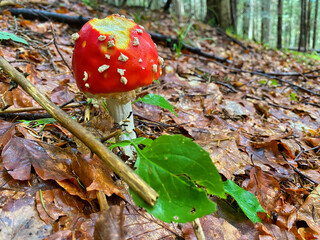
x=183, y=174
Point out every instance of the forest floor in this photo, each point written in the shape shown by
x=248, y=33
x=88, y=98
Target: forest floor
x=257, y=114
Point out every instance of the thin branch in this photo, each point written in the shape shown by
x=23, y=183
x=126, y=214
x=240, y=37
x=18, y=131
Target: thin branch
x=58, y=49
x=269, y=76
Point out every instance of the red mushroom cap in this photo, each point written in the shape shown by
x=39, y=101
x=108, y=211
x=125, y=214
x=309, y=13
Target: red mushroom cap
x=114, y=55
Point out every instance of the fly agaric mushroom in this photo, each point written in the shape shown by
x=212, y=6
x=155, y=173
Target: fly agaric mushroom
x=112, y=57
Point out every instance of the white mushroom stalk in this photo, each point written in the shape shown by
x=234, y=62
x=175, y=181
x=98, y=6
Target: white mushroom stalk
x=122, y=115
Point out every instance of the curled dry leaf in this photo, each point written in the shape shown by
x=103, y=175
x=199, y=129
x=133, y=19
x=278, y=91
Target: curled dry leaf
x=265, y=187
x=310, y=211
x=109, y=225
x=57, y=164
x=95, y=175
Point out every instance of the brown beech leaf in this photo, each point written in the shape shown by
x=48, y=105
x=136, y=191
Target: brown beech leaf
x=95, y=175
x=220, y=228
x=7, y=130
x=20, y=153
x=138, y=224
x=273, y=232
x=265, y=187
x=58, y=203
x=61, y=94
x=310, y=210
x=61, y=165
x=109, y=225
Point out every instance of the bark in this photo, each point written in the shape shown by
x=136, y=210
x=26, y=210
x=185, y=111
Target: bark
x=179, y=9
x=234, y=19
x=279, y=26
x=221, y=12
x=315, y=25
x=303, y=27
x=246, y=19
x=167, y=5
x=265, y=21
x=308, y=24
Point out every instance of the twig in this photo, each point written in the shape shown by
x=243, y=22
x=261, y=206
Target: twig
x=135, y=182
x=223, y=32
x=56, y=45
x=30, y=109
x=196, y=224
x=269, y=76
x=111, y=135
x=269, y=103
x=297, y=170
x=103, y=203
x=290, y=74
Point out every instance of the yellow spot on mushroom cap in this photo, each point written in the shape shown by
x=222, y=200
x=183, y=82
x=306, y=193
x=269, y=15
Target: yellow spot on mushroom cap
x=84, y=43
x=117, y=26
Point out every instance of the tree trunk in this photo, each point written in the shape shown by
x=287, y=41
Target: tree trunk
x=167, y=6
x=179, y=9
x=222, y=9
x=308, y=25
x=246, y=19
x=303, y=27
x=279, y=26
x=234, y=19
x=315, y=25
x=265, y=21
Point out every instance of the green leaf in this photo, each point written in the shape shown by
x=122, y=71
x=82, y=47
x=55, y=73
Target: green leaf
x=174, y=166
x=39, y=121
x=293, y=96
x=154, y=99
x=246, y=200
x=263, y=82
x=135, y=142
x=7, y=36
x=274, y=82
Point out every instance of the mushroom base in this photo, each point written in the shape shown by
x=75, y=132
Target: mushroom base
x=122, y=114
x=120, y=109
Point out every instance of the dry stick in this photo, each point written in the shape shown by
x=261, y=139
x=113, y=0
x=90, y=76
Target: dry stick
x=29, y=109
x=269, y=76
x=102, y=199
x=136, y=183
x=56, y=45
x=196, y=224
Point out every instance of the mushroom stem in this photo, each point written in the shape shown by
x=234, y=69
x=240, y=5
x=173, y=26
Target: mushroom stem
x=122, y=115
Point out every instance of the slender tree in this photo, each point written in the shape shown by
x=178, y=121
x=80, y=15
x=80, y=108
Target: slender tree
x=308, y=19
x=279, y=25
x=246, y=18
x=315, y=25
x=302, y=37
x=167, y=5
x=265, y=20
x=234, y=19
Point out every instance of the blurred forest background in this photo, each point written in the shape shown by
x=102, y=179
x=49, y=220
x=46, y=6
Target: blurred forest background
x=288, y=24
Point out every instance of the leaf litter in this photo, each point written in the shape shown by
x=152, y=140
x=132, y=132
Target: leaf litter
x=242, y=113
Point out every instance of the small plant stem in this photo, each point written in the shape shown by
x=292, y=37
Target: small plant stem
x=29, y=109
x=198, y=229
x=135, y=182
x=102, y=199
